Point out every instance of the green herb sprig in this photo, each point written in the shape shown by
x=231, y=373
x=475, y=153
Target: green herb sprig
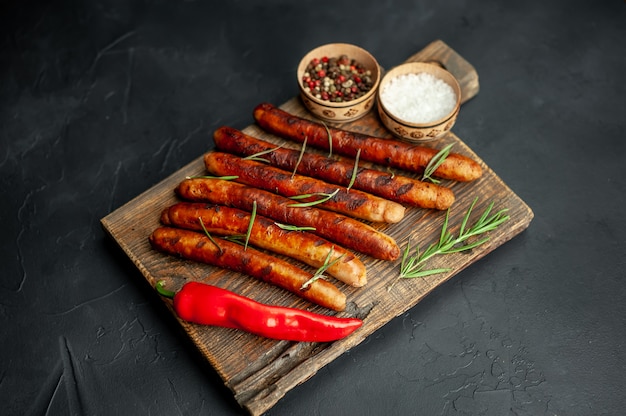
x=319, y=274
x=290, y=227
x=257, y=156
x=325, y=197
x=412, y=265
x=330, y=140
x=235, y=238
x=435, y=162
x=295, y=168
x=355, y=169
x=206, y=232
x=224, y=178
x=252, y=218
x=242, y=239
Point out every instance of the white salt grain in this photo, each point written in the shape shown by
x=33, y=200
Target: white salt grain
x=418, y=98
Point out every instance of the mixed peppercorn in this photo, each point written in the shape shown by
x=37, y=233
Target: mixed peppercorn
x=336, y=79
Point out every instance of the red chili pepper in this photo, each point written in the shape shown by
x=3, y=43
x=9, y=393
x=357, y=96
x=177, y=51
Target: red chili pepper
x=210, y=305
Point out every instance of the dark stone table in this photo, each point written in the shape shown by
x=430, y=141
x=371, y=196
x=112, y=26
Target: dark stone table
x=101, y=100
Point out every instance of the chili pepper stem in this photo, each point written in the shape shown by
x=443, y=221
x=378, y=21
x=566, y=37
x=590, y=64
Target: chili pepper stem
x=160, y=287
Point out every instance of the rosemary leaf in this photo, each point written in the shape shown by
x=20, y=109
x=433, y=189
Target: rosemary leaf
x=312, y=280
x=252, y=218
x=468, y=246
x=435, y=162
x=319, y=274
x=224, y=178
x=466, y=217
x=305, y=196
x=257, y=156
x=355, y=169
x=330, y=140
x=209, y=235
x=483, y=217
x=236, y=238
x=445, y=235
x=290, y=227
x=295, y=168
x=325, y=197
x=258, y=159
x=424, y=273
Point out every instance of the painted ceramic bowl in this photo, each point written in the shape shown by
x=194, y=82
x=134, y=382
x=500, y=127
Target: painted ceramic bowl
x=331, y=101
x=418, y=101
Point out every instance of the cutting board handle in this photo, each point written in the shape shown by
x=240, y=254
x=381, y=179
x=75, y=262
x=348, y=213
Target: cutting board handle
x=439, y=53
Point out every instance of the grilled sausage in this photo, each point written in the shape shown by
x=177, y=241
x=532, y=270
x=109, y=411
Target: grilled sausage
x=396, y=188
x=196, y=246
x=387, y=152
x=349, y=202
x=300, y=245
x=345, y=231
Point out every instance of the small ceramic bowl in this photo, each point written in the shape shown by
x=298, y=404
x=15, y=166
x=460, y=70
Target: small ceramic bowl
x=412, y=130
x=345, y=111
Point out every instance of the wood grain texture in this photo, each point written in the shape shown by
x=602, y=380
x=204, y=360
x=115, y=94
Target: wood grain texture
x=259, y=371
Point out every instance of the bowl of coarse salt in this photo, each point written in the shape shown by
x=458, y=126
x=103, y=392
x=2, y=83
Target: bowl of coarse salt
x=419, y=101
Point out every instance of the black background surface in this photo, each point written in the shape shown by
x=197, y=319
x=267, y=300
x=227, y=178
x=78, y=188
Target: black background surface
x=101, y=100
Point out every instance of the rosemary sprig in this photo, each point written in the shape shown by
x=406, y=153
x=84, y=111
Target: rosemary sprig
x=257, y=156
x=224, y=178
x=290, y=227
x=355, y=169
x=412, y=265
x=319, y=274
x=435, y=162
x=206, y=232
x=243, y=239
x=295, y=168
x=236, y=238
x=330, y=140
x=252, y=218
x=325, y=197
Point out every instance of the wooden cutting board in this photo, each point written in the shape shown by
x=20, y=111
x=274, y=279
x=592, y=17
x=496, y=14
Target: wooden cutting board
x=259, y=371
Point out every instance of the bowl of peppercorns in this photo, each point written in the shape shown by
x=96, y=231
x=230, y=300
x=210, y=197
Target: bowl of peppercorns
x=338, y=82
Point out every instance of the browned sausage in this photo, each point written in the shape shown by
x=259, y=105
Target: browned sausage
x=386, y=152
x=196, y=246
x=384, y=184
x=349, y=202
x=345, y=231
x=300, y=245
